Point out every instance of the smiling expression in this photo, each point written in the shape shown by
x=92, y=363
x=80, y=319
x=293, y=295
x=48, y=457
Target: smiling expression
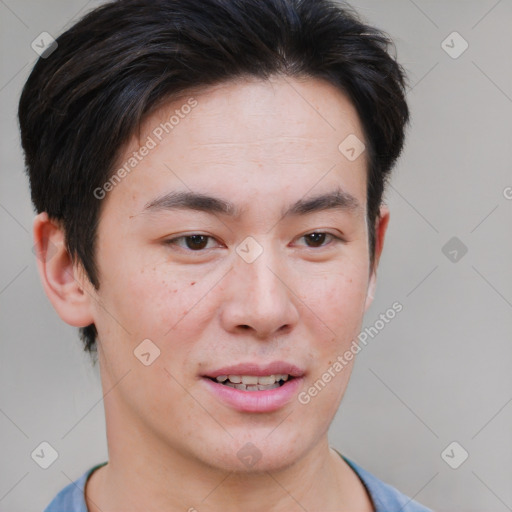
x=253, y=172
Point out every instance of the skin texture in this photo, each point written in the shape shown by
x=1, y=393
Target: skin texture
x=172, y=444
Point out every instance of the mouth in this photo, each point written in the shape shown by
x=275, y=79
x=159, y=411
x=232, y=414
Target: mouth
x=252, y=382
x=255, y=388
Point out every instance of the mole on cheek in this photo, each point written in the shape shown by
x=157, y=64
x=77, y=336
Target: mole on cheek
x=192, y=283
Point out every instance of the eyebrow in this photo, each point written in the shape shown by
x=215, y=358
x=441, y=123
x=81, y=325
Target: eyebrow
x=338, y=199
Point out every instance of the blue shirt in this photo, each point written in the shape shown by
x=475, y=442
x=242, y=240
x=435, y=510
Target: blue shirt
x=385, y=498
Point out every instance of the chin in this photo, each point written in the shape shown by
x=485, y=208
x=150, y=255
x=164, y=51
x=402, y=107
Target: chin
x=253, y=455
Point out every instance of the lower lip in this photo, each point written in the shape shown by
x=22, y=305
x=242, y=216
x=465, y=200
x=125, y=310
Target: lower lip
x=256, y=401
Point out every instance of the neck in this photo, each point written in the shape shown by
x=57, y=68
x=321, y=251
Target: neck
x=321, y=480
x=148, y=473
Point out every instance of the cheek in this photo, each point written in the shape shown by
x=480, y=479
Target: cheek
x=337, y=297
x=144, y=300
x=161, y=302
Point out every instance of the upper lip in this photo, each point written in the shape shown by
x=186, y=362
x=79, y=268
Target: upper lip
x=258, y=370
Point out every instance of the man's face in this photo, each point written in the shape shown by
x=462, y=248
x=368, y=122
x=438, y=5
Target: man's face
x=256, y=288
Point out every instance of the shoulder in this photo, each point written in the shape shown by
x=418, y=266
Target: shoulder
x=71, y=498
x=385, y=497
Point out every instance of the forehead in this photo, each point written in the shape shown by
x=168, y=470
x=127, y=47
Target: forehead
x=266, y=136
x=260, y=111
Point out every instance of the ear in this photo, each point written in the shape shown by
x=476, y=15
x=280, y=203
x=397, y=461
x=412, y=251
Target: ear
x=381, y=225
x=64, y=283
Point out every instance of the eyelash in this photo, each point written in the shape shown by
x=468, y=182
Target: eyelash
x=173, y=241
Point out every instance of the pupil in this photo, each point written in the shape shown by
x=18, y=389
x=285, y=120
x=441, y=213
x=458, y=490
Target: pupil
x=317, y=237
x=198, y=241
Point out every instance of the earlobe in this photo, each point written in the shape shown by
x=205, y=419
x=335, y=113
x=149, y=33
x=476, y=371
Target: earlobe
x=381, y=225
x=61, y=282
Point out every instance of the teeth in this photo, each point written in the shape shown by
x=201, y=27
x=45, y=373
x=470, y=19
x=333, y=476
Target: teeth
x=252, y=382
x=246, y=379
x=254, y=387
x=269, y=379
x=272, y=386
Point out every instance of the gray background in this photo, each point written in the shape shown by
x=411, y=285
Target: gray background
x=437, y=373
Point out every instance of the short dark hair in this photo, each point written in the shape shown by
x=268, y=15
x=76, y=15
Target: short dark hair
x=82, y=103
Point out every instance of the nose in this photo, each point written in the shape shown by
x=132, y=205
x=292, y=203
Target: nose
x=259, y=297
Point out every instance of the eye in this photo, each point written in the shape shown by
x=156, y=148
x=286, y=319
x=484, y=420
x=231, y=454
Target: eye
x=197, y=242
x=317, y=238
x=194, y=242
